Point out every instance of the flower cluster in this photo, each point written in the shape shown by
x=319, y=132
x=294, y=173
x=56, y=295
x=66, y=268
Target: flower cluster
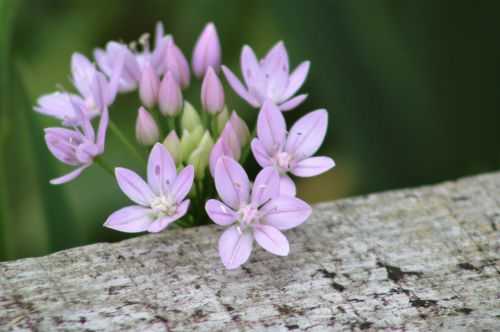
x=194, y=154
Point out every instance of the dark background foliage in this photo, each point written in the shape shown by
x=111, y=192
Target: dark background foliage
x=412, y=89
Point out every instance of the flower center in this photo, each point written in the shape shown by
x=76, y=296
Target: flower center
x=164, y=205
x=249, y=215
x=283, y=160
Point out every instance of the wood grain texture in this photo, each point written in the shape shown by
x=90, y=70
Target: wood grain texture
x=415, y=259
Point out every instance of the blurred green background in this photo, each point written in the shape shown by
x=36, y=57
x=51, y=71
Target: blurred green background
x=412, y=88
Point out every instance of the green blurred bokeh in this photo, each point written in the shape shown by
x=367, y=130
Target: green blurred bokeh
x=412, y=88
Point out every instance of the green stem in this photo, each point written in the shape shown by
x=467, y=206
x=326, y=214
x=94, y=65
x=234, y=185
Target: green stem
x=105, y=166
x=118, y=133
x=161, y=122
x=246, y=150
x=171, y=124
x=204, y=118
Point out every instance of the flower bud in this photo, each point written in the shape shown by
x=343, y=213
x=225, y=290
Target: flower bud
x=149, y=86
x=220, y=149
x=146, y=130
x=207, y=51
x=189, y=118
x=190, y=141
x=170, y=96
x=198, y=161
x=173, y=145
x=206, y=143
x=220, y=121
x=212, y=93
x=176, y=63
x=241, y=129
x=230, y=137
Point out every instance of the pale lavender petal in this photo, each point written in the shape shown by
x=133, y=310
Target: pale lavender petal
x=271, y=128
x=307, y=134
x=240, y=128
x=159, y=53
x=133, y=186
x=86, y=152
x=260, y=154
x=231, y=138
x=292, y=103
x=146, y=129
x=160, y=224
x=159, y=33
x=212, y=93
x=58, y=105
x=183, y=183
x=231, y=182
x=176, y=63
x=130, y=219
x=101, y=131
x=287, y=186
x=149, y=86
x=161, y=169
x=207, y=51
x=235, y=247
x=272, y=240
x=312, y=166
x=296, y=80
x=220, y=213
x=266, y=186
x=70, y=176
x=83, y=72
x=275, y=67
x=62, y=144
x=239, y=88
x=276, y=58
x=220, y=149
x=99, y=89
x=285, y=212
x=250, y=67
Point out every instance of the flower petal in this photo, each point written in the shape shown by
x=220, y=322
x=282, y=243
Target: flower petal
x=260, y=153
x=271, y=128
x=58, y=105
x=101, y=131
x=272, y=240
x=231, y=182
x=160, y=224
x=161, y=169
x=130, y=219
x=235, y=247
x=238, y=87
x=266, y=186
x=182, y=184
x=292, y=103
x=70, y=176
x=220, y=213
x=220, y=149
x=296, y=80
x=133, y=186
x=276, y=58
x=285, y=212
x=250, y=67
x=312, y=166
x=307, y=134
x=287, y=186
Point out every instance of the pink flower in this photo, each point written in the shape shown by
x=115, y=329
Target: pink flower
x=160, y=200
x=176, y=63
x=170, y=96
x=269, y=79
x=149, y=86
x=77, y=147
x=207, y=51
x=261, y=215
x=146, y=129
x=291, y=153
x=220, y=149
x=212, y=93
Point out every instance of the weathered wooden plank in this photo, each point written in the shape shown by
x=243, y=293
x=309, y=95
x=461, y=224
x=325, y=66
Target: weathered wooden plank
x=418, y=259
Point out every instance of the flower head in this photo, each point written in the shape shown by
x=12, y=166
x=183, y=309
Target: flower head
x=207, y=51
x=291, y=153
x=269, y=79
x=260, y=215
x=77, y=147
x=160, y=200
